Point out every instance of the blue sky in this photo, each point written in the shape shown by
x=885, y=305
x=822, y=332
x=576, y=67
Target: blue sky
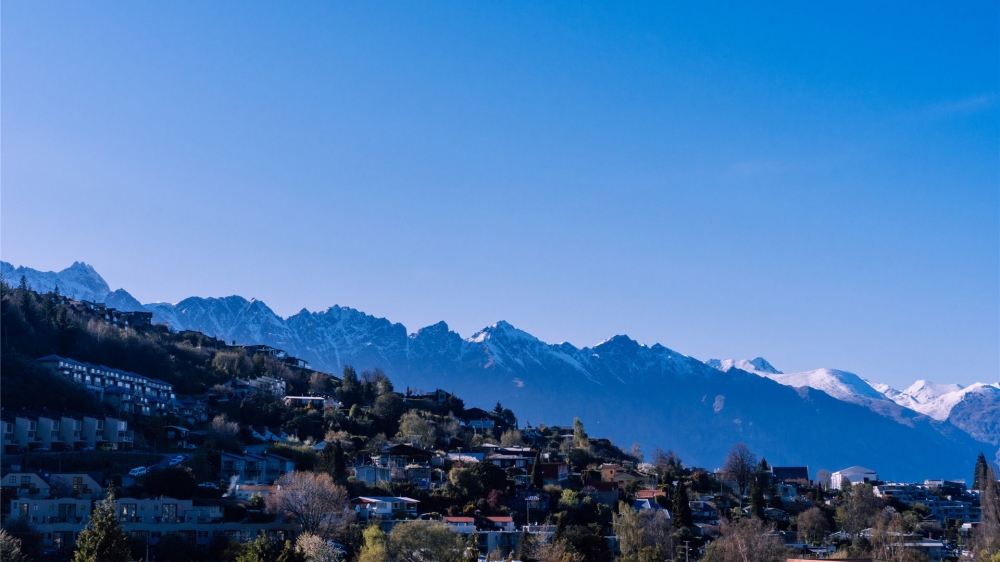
x=815, y=184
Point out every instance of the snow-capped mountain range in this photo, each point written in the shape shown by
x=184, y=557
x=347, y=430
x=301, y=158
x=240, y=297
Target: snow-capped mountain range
x=974, y=409
x=621, y=389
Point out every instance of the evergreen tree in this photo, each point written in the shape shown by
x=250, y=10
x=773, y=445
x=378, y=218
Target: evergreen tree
x=325, y=460
x=560, y=532
x=763, y=465
x=291, y=554
x=23, y=285
x=979, y=480
x=757, y=497
x=103, y=539
x=682, y=509
x=472, y=549
x=339, y=462
x=525, y=545
x=257, y=551
x=580, y=438
x=536, y=473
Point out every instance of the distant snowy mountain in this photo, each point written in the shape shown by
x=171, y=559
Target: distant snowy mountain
x=79, y=281
x=758, y=365
x=976, y=408
x=619, y=388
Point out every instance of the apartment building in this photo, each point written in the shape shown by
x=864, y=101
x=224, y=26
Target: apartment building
x=199, y=521
x=128, y=391
x=31, y=431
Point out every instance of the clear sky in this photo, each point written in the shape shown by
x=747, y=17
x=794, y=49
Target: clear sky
x=815, y=184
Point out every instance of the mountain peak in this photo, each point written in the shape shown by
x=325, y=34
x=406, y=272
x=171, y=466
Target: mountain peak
x=501, y=330
x=924, y=391
x=758, y=365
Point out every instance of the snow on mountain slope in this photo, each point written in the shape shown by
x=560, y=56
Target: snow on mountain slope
x=842, y=385
x=975, y=409
x=79, y=281
x=758, y=365
x=978, y=412
x=925, y=391
x=621, y=389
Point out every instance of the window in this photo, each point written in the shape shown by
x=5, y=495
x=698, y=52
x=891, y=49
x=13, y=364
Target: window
x=169, y=511
x=12, y=480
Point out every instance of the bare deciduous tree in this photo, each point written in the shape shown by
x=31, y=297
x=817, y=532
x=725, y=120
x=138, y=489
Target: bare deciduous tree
x=747, y=540
x=813, y=525
x=824, y=477
x=889, y=540
x=627, y=529
x=223, y=432
x=511, y=438
x=740, y=466
x=313, y=500
x=858, y=511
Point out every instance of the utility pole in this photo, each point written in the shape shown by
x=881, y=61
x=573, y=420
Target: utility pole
x=686, y=551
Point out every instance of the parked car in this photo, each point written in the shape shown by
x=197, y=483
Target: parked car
x=211, y=485
x=190, y=446
x=177, y=460
x=137, y=471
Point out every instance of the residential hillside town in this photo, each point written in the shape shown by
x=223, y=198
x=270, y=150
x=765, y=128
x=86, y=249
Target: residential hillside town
x=181, y=447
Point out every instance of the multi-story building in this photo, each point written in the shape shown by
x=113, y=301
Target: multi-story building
x=29, y=431
x=26, y=485
x=958, y=505
x=199, y=521
x=259, y=469
x=853, y=475
x=128, y=391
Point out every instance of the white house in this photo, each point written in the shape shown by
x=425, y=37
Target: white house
x=854, y=474
x=367, y=507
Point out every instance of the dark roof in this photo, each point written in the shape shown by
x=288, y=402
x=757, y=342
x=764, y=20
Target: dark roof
x=404, y=450
x=790, y=472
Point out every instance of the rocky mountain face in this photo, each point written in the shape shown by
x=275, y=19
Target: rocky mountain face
x=619, y=388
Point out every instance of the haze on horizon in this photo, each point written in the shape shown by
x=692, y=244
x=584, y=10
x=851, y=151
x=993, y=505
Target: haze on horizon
x=815, y=185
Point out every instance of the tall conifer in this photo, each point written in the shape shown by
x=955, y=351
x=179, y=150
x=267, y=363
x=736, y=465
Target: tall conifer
x=103, y=539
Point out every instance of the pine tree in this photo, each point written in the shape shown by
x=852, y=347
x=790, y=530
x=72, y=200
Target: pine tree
x=23, y=285
x=103, y=539
x=580, y=438
x=325, y=460
x=525, y=545
x=536, y=473
x=339, y=463
x=560, y=532
x=757, y=497
x=682, y=509
x=291, y=554
x=257, y=551
x=472, y=548
x=979, y=480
